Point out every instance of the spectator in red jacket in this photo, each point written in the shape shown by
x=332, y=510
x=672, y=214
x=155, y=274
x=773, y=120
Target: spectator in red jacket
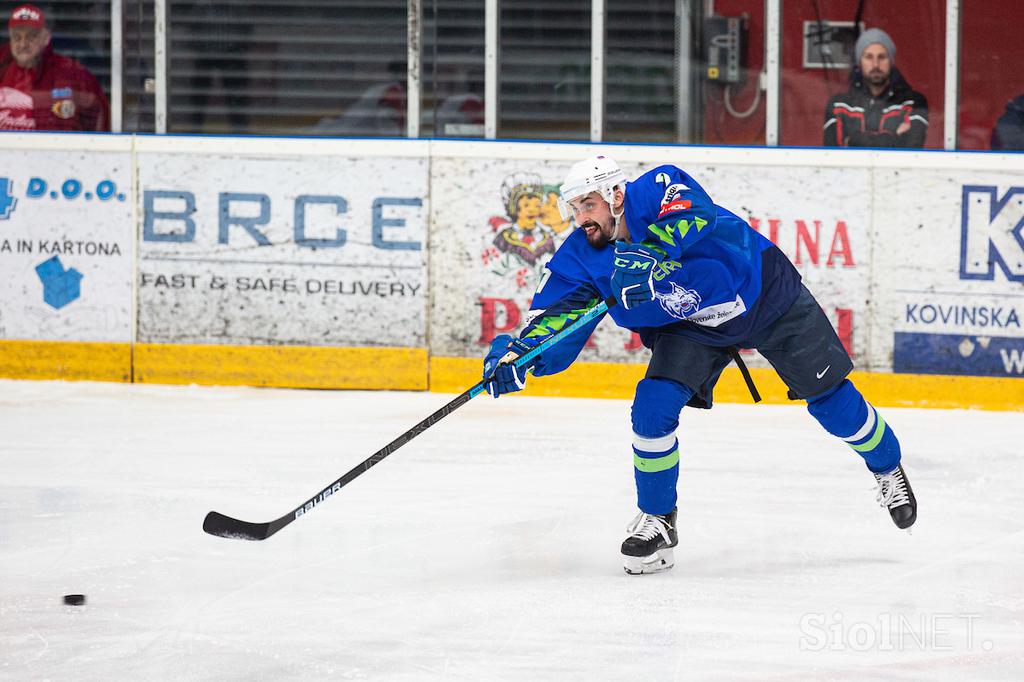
x=40, y=90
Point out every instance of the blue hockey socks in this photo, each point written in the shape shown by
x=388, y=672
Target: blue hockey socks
x=844, y=413
x=655, y=416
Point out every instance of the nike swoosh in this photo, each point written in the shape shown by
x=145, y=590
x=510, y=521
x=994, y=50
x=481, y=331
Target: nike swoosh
x=822, y=372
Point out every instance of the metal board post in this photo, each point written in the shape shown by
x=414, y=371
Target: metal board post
x=952, y=89
x=597, y=12
x=414, y=70
x=160, y=59
x=772, y=62
x=491, y=52
x=116, y=66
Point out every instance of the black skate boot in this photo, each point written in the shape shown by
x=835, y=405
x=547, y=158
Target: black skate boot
x=648, y=549
x=895, y=493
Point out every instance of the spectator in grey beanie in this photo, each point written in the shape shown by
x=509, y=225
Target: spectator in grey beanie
x=879, y=109
x=872, y=36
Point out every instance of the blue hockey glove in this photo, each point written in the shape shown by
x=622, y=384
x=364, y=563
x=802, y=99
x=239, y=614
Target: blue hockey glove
x=632, y=279
x=498, y=363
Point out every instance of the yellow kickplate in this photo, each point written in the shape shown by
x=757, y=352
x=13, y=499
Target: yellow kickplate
x=68, y=360
x=283, y=366
x=604, y=380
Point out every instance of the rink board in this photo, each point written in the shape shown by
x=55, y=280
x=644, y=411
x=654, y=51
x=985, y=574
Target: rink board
x=255, y=246
x=282, y=366
x=483, y=276
x=605, y=380
x=403, y=369
x=413, y=369
x=393, y=263
x=66, y=240
x=65, y=360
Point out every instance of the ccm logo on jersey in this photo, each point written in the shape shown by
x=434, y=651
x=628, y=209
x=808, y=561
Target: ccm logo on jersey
x=670, y=203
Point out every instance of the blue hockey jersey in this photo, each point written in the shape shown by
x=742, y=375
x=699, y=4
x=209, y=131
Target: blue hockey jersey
x=719, y=282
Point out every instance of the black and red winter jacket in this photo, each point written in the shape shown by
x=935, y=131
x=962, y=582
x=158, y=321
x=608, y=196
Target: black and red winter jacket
x=64, y=95
x=856, y=119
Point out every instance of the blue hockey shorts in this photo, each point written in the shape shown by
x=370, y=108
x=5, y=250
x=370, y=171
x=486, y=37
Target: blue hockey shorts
x=801, y=345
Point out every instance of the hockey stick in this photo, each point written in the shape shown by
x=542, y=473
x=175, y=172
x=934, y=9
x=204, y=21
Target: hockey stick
x=227, y=527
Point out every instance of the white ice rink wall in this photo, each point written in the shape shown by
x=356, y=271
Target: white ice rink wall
x=392, y=263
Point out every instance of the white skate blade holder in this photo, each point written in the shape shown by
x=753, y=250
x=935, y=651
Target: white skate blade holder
x=662, y=560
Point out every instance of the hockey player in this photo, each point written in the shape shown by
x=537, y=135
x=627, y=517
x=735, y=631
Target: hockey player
x=696, y=282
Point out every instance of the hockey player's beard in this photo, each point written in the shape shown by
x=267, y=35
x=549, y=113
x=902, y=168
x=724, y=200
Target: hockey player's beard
x=598, y=235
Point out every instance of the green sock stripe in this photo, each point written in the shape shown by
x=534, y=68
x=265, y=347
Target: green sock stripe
x=876, y=437
x=652, y=465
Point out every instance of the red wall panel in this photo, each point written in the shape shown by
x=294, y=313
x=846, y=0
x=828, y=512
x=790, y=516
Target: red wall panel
x=916, y=26
x=991, y=54
x=719, y=126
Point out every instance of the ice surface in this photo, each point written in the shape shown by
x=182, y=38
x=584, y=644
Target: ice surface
x=487, y=548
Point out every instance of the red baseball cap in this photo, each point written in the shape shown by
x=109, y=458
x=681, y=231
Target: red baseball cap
x=27, y=15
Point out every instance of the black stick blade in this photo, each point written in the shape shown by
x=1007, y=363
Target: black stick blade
x=217, y=524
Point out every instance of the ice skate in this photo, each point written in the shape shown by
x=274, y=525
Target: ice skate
x=648, y=549
x=895, y=493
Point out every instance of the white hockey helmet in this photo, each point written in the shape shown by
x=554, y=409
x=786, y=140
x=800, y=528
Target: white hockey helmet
x=595, y=174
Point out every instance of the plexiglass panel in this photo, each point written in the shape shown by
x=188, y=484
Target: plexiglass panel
x=139, y=68
x=674, y=70
x=334, y=67
x=641, y=78
x=887, y=95
x=544, y=72
x=991, y=106
x=76, y=30
x=453, y=69
x=731, y=58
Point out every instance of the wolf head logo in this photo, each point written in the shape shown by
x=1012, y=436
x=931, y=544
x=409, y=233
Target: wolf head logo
x=679, y=302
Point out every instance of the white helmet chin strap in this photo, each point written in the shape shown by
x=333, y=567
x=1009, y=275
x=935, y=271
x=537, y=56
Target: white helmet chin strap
x=617, y=216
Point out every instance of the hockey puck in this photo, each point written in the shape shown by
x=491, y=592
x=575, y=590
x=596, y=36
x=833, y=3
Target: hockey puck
x=74, y=599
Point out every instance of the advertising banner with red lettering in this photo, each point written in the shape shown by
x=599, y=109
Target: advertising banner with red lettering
x=499, y=224
x=821, y=219
x=66, y=252
x=277, y=249
x=495, y=228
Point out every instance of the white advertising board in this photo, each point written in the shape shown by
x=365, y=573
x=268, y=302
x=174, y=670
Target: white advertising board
x=821, y=219
x=495, y=225
x=918, y=259
x=950, y=254
x=66, y=250
x=324, y=250
x=498, y=224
